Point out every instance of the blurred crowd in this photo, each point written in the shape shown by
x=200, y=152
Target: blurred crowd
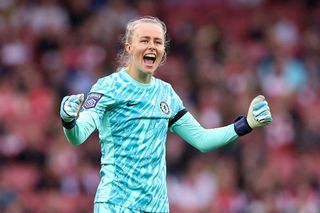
x=221, y=55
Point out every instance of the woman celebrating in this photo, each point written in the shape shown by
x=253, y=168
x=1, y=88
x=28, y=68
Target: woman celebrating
x=132, y=111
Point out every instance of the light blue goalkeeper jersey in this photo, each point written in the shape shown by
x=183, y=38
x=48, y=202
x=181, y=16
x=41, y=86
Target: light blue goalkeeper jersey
x=132, y=120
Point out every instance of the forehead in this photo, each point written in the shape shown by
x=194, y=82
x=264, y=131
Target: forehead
x=148, y=30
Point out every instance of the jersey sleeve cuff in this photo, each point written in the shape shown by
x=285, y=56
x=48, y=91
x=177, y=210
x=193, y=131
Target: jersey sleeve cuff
x=68, y=125
x=177, y=117
x=241, y=126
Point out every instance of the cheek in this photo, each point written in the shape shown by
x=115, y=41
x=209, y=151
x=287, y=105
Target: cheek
x=136, y=55
x=161, y=54
x=138, y=51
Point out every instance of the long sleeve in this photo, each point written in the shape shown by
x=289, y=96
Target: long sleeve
x=81, y=129
x=203, y=139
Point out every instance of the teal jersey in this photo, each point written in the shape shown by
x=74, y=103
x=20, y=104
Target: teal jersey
x=132, y=120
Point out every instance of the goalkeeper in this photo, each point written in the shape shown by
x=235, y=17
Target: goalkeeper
x=132, y=111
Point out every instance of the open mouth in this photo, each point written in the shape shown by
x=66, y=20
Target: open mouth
x=149, y=59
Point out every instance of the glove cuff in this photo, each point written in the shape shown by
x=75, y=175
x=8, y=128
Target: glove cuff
x=241, y=126
x=68, y=125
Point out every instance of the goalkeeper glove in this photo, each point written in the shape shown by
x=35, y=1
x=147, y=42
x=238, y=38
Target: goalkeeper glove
x=70, y=107
x=259, y=115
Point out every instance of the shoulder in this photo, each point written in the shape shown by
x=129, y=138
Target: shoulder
x=106, y=83
x=165, y=87
x=162, y=83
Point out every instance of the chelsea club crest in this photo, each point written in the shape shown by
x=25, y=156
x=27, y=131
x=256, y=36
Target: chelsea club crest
x=164, y=107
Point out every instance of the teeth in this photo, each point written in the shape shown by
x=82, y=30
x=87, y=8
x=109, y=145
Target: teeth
x=150, y=55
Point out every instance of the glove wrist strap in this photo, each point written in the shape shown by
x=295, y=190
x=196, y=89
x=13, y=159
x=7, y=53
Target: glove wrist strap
x=241, y=126
x=68, y=125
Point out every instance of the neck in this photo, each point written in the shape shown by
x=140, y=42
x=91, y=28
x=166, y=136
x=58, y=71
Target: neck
x=139, y=75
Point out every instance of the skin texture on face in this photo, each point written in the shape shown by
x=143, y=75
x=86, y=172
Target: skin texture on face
x=146, y=51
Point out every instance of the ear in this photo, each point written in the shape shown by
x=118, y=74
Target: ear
x=128, y=47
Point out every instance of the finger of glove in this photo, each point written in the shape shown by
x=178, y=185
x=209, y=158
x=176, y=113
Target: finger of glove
x=261, y=112
x=62, y=110
x=64, y=100
x=264, y=117
x=259, y=98
x=260, y=107
x=71, y=108
x=74, y=99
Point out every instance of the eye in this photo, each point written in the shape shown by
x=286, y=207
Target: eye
x=145, y=41
x=158, y=42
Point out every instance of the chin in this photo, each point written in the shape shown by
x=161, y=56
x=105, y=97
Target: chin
x=149, y=71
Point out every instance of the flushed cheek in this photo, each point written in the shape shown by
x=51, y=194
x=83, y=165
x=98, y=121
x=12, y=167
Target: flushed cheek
x=160, y=59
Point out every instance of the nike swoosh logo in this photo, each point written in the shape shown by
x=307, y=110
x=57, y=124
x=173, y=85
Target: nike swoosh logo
x=131, y=104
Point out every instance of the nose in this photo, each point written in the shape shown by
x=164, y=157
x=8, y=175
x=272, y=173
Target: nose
x=152, y=45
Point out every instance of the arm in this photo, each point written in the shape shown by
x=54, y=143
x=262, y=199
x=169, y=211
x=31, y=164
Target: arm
x=203, y=139
x=77, y=131
x=185, y=125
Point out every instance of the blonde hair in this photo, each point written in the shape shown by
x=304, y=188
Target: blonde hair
x=123, y=56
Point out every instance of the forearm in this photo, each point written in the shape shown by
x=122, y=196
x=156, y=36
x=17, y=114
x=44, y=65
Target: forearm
x=203, y=139
x=80, y=130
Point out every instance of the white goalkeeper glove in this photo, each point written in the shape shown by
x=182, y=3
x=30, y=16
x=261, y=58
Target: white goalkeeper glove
x=259, y=115
x=70, y=107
